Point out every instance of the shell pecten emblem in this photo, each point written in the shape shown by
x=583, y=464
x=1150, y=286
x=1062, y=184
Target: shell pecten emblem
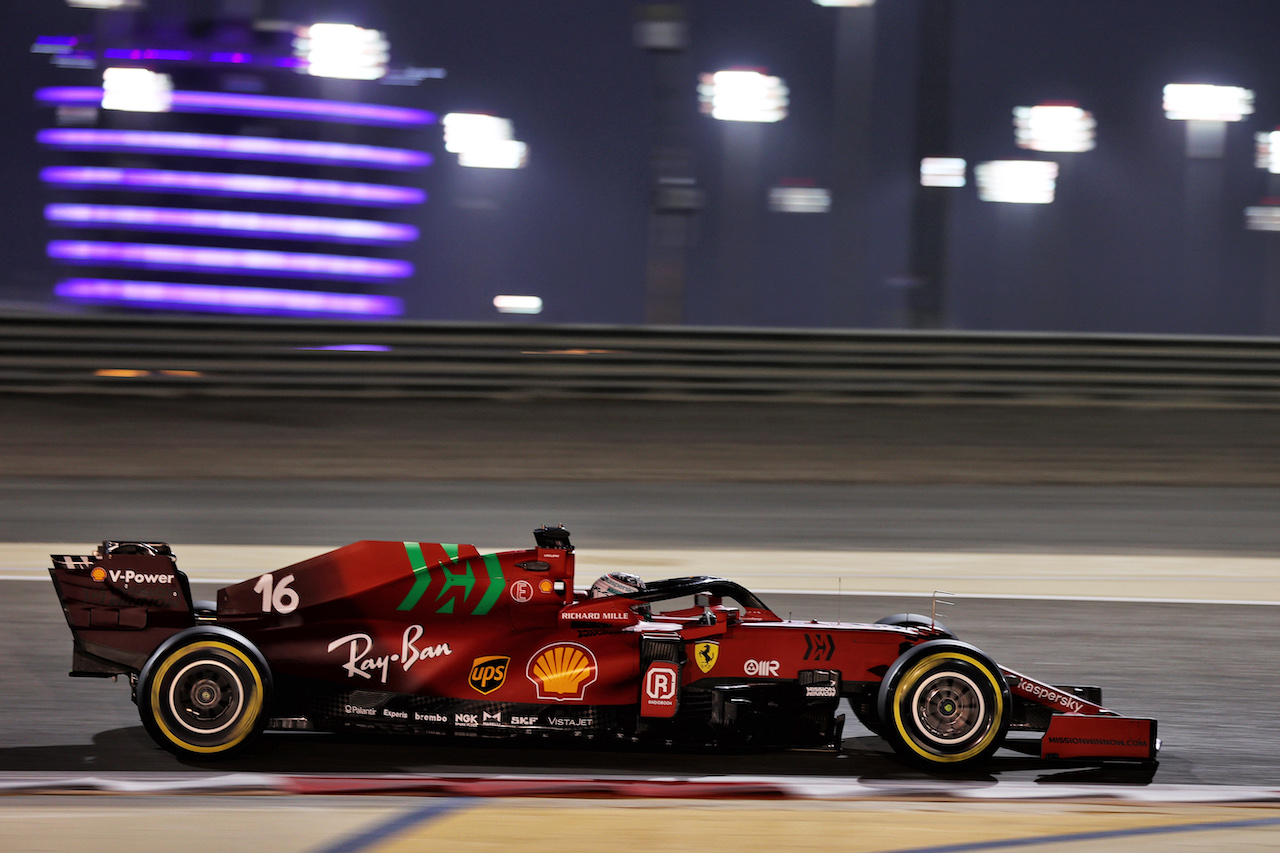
x=562, y=671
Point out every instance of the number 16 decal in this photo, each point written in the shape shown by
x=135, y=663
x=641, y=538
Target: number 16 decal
x=282, y=599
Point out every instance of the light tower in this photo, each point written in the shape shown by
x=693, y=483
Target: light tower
x=743, y=100
x=1205, y=110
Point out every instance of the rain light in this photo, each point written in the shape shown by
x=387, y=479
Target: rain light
x=1054, y=127
x=845, y=2
x=518, y=304
x=233, y=185
x=234, y=261
x=942, y=172
x=743, y=95
x=1017, y=181
x=136, y=90
x=233, y=147
x=1204, y=102
x=229, y=222
x=225, y=299
x=341, y=50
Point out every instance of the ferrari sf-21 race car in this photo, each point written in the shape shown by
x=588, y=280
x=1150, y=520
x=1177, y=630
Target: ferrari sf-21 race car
x=427, y=638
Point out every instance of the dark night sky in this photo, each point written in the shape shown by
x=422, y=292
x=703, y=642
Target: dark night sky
x=1140, y=238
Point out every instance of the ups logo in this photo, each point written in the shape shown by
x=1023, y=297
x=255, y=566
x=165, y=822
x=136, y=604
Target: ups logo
x=489, y=672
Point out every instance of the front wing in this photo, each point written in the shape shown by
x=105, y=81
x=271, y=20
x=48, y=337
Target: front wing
x=1081, y=729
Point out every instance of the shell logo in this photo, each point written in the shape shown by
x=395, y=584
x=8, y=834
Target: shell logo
x=562, y=671
x=99, y=574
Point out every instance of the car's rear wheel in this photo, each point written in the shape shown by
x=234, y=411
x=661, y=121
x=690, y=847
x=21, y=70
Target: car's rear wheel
x=945, y=706
x=204, y=693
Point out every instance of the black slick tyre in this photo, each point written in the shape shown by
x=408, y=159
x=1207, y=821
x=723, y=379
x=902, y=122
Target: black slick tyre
x=204, y=693
x=944, y=706
x=914, y=620
x=865, y=708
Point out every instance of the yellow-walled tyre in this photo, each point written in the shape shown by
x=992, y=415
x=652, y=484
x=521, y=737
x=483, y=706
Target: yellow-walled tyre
x=944, y=706
x=204, y=694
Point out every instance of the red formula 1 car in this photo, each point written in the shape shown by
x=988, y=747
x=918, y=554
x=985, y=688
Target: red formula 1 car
x=408, y=637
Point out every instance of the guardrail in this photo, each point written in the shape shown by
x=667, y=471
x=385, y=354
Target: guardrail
x=218, y=356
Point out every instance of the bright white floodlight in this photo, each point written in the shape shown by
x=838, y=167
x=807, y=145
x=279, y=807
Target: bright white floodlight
x=1054, y=127
x=483, y=142
x=942, y=171
x=1268, y=151
x=1203, y=102
x=136, y=90
x=1017, y=181
x=1263, y=217
x=1206, y=110
x=743, y=96
x=518, y=304
x=799, y=200
x=342, y=51
x=471, y=130
x=510, y=154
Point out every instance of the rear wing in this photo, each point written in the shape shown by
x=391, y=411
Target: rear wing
x=120, y=603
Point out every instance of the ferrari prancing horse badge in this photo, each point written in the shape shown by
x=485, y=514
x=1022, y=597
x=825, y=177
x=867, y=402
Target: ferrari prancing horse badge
x=706, y=654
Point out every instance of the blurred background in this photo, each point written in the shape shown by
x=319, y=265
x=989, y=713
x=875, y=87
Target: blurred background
x=936, y=164
x=893, y=281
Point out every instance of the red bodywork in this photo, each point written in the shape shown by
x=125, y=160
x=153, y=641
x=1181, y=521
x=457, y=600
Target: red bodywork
x=436, y=637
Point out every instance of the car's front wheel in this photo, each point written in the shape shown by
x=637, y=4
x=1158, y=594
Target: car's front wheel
x=944, y=706
x=865, y=708
x=204, y=693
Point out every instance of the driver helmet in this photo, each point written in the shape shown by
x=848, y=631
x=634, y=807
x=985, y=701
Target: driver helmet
x=615, y=583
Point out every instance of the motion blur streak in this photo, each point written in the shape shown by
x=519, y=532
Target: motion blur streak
x=235, y=103
x=1017, y=181
x=221, y=184
x=238, y=261
x=232, y=147
x=518, y=304
x=226, y=299
x=229, y=222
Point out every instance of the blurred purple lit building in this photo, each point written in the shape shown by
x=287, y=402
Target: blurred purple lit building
x=628, y=191
x=204, y=157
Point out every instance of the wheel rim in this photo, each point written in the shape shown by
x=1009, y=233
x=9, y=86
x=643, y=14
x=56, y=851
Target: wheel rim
x=206, y=697
x=949, y=707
